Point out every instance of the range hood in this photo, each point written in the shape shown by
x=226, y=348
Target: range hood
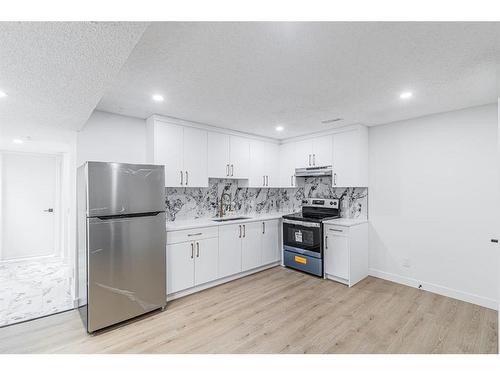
x=314, y=171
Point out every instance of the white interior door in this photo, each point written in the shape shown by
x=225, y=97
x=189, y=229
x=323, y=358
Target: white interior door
x=28, y=205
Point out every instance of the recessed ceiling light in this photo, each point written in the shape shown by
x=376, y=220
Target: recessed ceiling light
x=18, y=141
x=158, y=98
x=2, y=94
x=280, y=128
x=406, y=95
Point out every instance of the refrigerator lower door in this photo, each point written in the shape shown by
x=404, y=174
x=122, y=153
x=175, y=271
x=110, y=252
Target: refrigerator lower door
x=126, y=268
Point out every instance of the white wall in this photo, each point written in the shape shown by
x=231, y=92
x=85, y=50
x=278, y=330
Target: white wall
x=433, y=200
x=111, y=137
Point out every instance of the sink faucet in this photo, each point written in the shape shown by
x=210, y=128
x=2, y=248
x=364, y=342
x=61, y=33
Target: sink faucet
x=222, y=204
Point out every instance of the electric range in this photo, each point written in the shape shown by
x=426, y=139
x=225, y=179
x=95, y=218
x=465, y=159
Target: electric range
x=303, y=234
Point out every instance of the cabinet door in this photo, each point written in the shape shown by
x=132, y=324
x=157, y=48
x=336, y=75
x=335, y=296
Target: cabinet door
x=336, y=255
x=206, y=260
x=271, y=161
x=251, y=246
x=229, y=250
x=270, y=242
x=287, y=164
x=347, y=155
x=322, y=151
x=180, y=266
x=239, y=156
x=195, y=157
x=218, y=155
x=168, y=151
x=258, y=168
x=303, y=154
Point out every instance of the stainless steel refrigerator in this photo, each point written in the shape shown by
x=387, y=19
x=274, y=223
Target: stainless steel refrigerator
x=121, y=242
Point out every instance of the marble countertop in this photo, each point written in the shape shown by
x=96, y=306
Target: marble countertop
x=346, y=222
x=208, y=222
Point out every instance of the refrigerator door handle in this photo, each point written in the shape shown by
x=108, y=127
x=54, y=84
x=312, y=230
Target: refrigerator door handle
x=129, y=216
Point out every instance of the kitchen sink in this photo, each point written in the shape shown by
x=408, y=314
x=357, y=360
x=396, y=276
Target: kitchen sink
x=231, y=218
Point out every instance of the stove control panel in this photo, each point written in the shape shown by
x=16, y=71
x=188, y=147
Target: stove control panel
x=317, y=202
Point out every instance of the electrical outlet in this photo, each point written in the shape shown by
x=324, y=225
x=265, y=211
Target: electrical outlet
x=406, y=263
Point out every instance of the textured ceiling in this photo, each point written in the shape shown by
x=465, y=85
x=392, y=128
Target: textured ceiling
x=253, y=76
x=55, y=73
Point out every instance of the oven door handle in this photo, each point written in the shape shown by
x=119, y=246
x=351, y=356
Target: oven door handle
x=302, y=223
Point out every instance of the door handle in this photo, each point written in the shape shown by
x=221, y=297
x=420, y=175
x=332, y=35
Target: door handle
x=244, y=230
x=326, y=242
x=192, y=250
x=187, y=176
x=49, y=210
x=240, y=231
x=182, y=178
x=232, y=170
x=263, y=227
x=197, y=249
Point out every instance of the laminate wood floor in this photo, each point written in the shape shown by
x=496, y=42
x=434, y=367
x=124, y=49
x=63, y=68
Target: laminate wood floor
x=279, y=311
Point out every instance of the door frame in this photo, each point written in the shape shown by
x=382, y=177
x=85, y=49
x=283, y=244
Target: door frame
x=58, y=205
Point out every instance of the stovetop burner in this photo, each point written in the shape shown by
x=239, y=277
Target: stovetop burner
x=316, y=210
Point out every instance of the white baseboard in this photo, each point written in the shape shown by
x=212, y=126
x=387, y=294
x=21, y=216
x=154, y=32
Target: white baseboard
x=438, y=289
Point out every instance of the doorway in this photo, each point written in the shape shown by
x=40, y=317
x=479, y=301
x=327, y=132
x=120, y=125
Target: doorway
x=35, y=275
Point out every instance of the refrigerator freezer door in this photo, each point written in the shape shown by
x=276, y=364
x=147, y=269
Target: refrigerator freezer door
x=120, y=189
x=126, y=268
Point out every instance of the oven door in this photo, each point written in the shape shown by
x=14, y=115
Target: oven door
x=302, y=237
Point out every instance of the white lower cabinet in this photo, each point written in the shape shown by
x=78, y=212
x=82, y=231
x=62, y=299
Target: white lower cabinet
x=180, y=266
x=206, y=260
x=219, y=252
x=229, y=250
x=346, y=253
x=270, y=241
x=251, y=246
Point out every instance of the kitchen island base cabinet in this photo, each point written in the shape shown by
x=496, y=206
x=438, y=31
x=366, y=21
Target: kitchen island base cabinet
x=346, y=253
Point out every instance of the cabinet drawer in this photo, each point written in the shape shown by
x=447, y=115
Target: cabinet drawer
x=191, y=234
x=336, y=230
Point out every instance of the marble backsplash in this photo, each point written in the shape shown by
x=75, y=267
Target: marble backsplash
x=194, y=203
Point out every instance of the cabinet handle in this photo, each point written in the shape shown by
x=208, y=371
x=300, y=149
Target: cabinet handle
x=309, y=159
x=197, y=249
x=194, y=234
x=336, y=230
x=326, y=242
x=232, y=170
x=263, y=227
x=244, y=230
x=263, y=180
x=240, y=231
x=227, y=169
x=187, y=178
x=291, y=180
x=267, y=180
x=314, y=159
x=182, y=178
x=494, y=240
x=335, y=179
x=192, y=250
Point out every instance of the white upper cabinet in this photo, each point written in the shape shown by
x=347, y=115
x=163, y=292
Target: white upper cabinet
x=287, y=165
x=315, y=152
x=322, y=153
x=218, y=155
x=303, y=153
x=350, y=158
x=264, y=159
x=228, y=156
x=182, y=150
x=239, y=151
